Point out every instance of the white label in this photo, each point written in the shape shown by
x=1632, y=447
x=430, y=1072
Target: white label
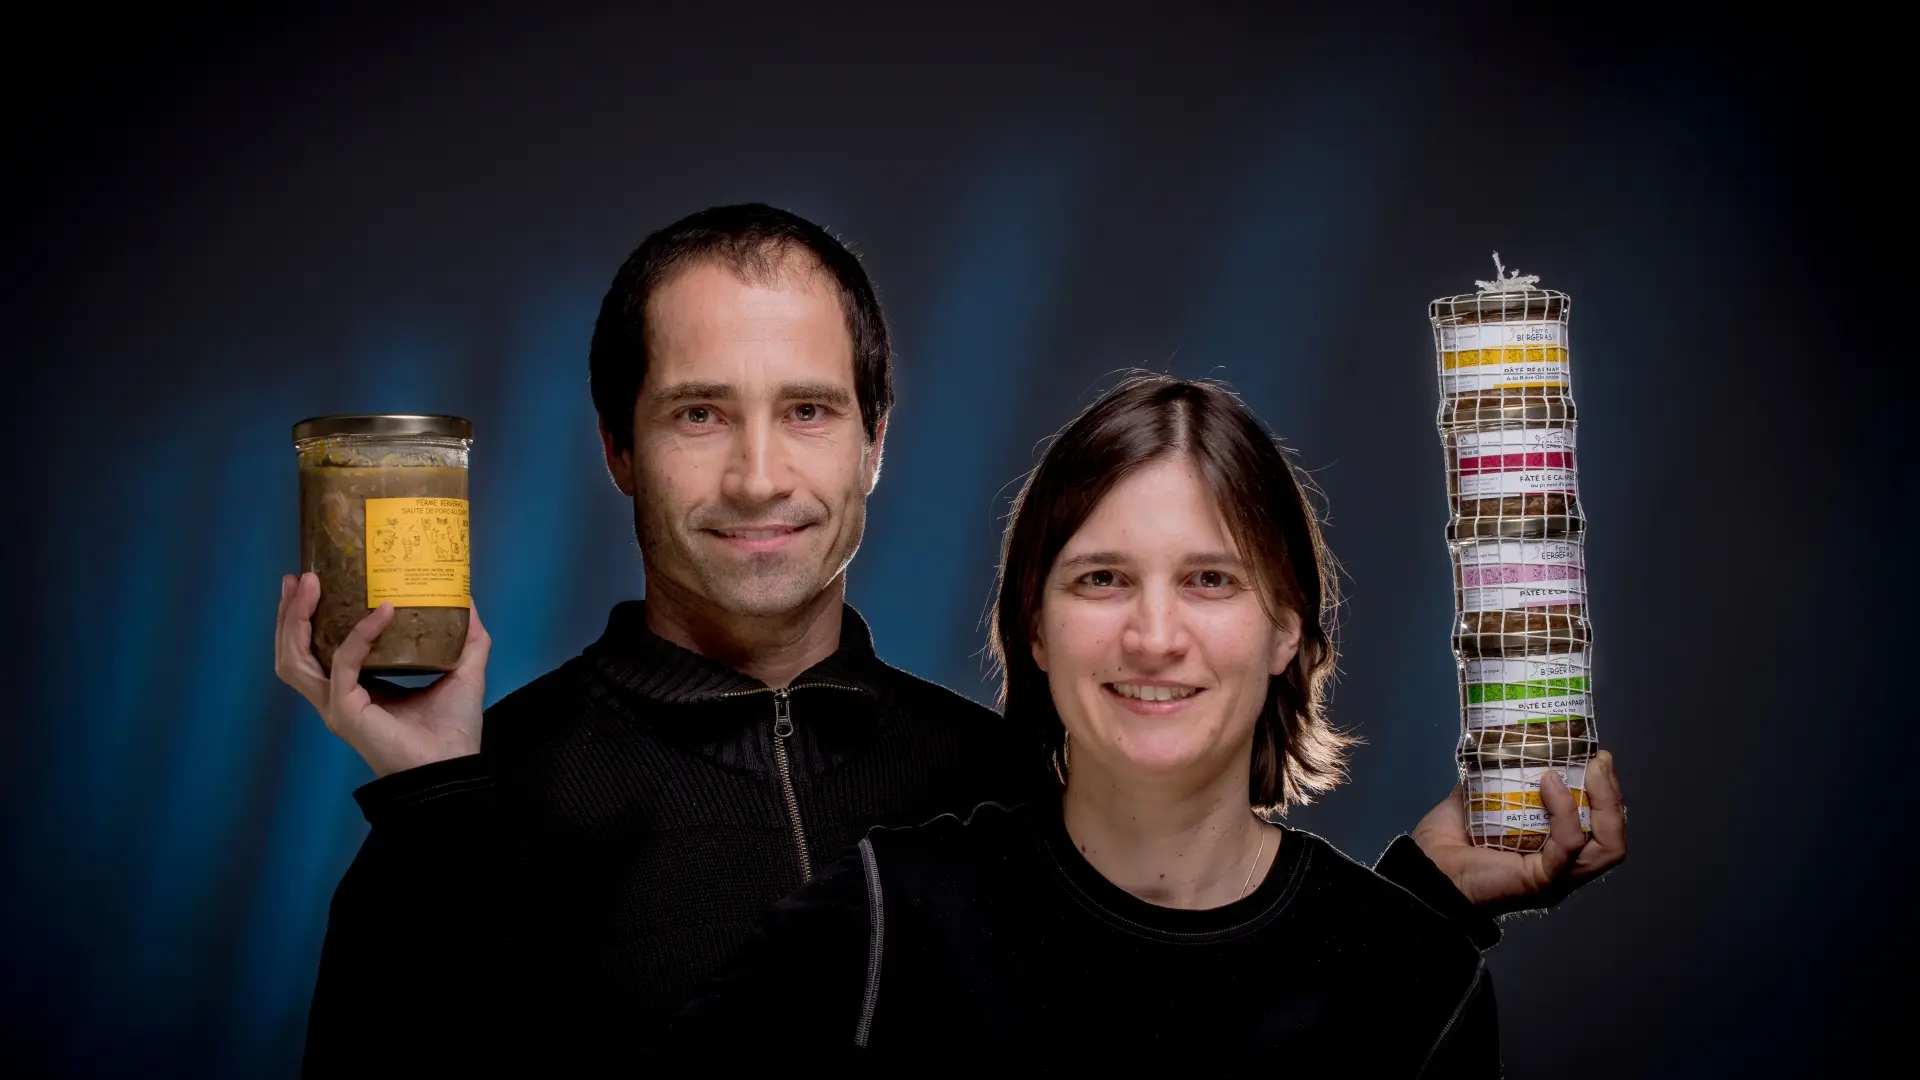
x=1528, y=669
x=1516, y=713
x=1503, y=575
x=1515, y=461
x=1508, y=800
x=1490, y=335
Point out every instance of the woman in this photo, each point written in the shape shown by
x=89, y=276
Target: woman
x=1159, y=623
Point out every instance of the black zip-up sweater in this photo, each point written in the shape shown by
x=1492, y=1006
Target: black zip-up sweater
x=995, y=939
x=551, y=901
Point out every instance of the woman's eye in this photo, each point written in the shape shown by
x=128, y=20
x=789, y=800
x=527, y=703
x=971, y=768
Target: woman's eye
x=1212, y=579
x=1100, y=579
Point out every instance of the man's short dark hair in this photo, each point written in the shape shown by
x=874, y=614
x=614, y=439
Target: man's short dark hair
x=756, y=242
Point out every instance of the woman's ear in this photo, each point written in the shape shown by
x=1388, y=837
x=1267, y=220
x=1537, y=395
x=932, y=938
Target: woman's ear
x=1286, y=643
x=1038, y=644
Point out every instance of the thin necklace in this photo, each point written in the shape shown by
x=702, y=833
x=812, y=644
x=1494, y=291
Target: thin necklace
x=1257, y=852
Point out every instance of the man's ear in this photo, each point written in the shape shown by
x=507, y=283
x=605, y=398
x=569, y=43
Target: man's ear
x=619, y=462
x=875, y=450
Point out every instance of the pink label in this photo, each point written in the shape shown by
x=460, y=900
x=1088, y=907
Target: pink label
x=1504, y=575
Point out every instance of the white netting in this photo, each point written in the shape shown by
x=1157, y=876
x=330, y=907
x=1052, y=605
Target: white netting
x=1521, y=639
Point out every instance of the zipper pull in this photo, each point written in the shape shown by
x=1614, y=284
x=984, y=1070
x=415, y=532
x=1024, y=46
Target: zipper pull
x=782, y=714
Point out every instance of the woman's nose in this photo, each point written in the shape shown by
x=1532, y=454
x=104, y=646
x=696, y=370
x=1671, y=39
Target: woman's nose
x=1155, y=629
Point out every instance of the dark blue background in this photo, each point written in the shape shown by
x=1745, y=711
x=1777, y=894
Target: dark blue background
x=222, y=225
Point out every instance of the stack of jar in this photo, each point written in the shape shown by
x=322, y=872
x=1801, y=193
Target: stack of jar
x=1518, y=537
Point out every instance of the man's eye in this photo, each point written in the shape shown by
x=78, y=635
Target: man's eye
x=699, y=414
x=806, y=414
x=1212, y=579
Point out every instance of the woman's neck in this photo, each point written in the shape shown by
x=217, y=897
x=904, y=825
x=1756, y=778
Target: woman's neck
x=1199, y=848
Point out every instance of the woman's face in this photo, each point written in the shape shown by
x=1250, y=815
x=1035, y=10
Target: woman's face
x=1153, y=637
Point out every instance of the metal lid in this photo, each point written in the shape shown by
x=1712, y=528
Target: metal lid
x=1499, y=306
x=1507, y=749
x=1517, y=527
x=1494, y=407
x=1560, y=639
x=388, y=424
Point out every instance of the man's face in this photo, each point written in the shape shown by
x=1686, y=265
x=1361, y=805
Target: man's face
x=750, y=467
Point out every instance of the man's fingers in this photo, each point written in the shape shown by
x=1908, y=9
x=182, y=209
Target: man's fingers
x=1565, y=839
x=293, y=659
x=473, y=656
x=345, y=679
x=1608, y=811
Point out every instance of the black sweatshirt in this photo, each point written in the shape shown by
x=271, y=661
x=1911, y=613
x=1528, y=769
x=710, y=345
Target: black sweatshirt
x=995, y=939
x=551, y=901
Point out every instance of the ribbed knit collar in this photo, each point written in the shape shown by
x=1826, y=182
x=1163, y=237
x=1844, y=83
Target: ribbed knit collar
x=655, y=669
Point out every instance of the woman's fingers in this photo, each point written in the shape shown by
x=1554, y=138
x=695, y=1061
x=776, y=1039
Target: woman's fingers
x=1565, y=838
x=1609, y=814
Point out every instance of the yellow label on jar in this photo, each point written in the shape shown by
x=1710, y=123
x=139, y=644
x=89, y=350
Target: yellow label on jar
x=417, y=553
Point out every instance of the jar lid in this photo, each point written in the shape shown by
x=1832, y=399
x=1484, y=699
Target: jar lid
x=391, y=424
x=1491, y=407
x=1517, y=527
x=1512, y=750
x=1499, y=306
x=1522, y=643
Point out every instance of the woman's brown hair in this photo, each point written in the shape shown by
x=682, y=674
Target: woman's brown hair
x=1148, y=418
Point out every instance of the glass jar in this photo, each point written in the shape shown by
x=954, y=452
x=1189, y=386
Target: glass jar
x=383, y=518
x=1505, y=810
x=1501, y=343
x=1510, y=468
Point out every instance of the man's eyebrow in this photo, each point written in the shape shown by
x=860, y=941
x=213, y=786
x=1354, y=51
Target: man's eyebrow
x=693, y=391
x=827, y=393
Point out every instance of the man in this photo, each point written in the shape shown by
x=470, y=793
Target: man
x=550, y=896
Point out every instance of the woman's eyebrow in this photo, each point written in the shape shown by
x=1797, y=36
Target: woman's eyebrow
x=1223, y=559
x=1092, y=558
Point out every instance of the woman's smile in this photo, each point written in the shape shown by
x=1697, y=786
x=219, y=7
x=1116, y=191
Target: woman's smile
x=1152, y=697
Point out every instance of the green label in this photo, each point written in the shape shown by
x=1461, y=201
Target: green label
x=1481, y=693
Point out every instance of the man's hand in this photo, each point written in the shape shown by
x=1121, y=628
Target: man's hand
x=1503, y=881
x=391, y=728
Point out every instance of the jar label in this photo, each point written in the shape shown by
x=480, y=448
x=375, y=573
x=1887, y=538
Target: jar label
x=417, y=553
x=1495, y=356
x=1504, y=692
x=1507, y=801
x=1515, y=461
x=1501, y=575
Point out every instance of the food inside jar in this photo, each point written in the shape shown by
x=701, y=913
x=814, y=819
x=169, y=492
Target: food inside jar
x=1573, y=636
x=1549, y=623
x=1527, y=744
x=333, y=545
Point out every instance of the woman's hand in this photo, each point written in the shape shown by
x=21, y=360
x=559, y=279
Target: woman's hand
x=1505, y=881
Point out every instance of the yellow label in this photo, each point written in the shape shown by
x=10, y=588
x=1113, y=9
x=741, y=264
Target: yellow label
x=417, y=553
x=1507, y=354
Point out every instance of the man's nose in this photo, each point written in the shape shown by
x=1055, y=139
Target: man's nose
x=757, y=472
